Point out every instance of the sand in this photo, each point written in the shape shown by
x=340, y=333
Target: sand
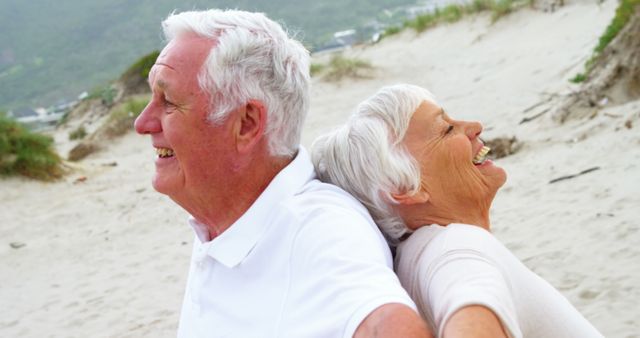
x=108, y=256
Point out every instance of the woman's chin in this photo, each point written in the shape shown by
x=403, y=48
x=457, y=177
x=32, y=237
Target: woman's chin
x=496, y=175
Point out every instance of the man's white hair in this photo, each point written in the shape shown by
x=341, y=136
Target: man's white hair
x=366, y=156
x=253, y=58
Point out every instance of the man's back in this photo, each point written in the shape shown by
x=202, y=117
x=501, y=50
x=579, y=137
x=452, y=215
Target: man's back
x=304, y=260
x=289, y=256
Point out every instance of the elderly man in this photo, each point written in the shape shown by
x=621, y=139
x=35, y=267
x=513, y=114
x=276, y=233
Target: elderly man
x=277, y=253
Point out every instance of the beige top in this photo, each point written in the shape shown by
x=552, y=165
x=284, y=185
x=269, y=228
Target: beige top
x=447, y=268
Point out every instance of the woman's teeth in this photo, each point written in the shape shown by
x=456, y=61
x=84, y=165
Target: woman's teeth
x=481, y=156
x=164, y=152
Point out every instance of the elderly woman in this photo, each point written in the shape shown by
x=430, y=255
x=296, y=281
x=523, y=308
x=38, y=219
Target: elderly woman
x=427, y=182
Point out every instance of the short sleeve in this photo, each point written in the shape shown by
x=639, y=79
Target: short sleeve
x=344, y=267
x=458, y=270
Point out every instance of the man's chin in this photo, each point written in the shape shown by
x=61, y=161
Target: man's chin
x=161, y=184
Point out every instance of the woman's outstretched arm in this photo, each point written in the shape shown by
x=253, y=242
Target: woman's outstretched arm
x=474, y=321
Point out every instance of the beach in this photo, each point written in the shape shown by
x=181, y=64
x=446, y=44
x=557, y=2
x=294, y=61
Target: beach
x=101, y=254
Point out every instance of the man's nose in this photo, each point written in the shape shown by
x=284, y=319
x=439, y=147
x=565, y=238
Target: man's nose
x=147, y=122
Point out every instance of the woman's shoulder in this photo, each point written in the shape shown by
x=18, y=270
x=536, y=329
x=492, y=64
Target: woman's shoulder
x=452, y=235
x=434, y=241
x=469, y=237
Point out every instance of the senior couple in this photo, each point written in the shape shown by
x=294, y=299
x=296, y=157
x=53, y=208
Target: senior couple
x=289, y=247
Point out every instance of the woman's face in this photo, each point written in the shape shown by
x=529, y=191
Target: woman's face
x=445, y=150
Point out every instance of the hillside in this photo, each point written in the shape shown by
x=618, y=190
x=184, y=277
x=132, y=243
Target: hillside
x=55, y=50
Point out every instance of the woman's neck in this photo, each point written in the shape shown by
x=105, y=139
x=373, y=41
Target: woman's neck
x=418, y=216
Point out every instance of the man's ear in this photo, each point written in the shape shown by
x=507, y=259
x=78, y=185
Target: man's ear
x=250, y=125
x=405, y=199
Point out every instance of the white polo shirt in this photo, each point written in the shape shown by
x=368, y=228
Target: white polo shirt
x=305, y=260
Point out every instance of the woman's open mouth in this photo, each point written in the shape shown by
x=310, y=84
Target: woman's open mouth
x=481, y=156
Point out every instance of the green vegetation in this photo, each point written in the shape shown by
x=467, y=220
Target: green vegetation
x=118, y=123
x=580, y=77
x=500, y=8
x=122, y=117
x=625, y=10
x=455, y=12
x=316, y=68
x=340, y=67
x=451, y=13
x=135, y=79
x=623, y=13
x=423, y=22
x=79, y=133
x=142, y=67
x=391, y=31
x=106, y=93
x=479, y=6
x=26, y=153
x=63, y=120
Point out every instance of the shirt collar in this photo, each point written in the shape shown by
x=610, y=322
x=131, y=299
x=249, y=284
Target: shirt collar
x=235, y=243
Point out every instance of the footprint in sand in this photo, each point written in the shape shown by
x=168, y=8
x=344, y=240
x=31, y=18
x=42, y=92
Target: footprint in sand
x=588, y=294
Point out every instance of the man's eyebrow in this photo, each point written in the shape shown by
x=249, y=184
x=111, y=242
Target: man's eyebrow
x=164, y=64
x=159, y=83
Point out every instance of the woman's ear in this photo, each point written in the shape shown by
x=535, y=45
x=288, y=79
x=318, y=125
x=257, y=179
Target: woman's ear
x=405, y=199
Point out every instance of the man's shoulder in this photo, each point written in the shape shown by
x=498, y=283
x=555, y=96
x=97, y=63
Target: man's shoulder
x=323, y=212
x=322, y=201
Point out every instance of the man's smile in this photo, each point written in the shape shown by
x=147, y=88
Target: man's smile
x=164, y=152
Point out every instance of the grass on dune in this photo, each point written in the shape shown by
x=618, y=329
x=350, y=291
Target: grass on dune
x=26, y=153
x=78, y=133
x=624, y=12
x=121, y=118
x=340, y=67
x=455, y=12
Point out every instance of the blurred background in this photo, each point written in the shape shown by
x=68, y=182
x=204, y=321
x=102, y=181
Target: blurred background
x=51, y=52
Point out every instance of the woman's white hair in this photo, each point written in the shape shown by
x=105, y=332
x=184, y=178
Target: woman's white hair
x=366, y=156
x=253, y=58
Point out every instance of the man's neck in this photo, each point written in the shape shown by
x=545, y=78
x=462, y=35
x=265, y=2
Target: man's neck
x=220, y=205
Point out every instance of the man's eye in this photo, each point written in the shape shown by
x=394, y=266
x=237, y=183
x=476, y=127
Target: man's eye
x=169, y=104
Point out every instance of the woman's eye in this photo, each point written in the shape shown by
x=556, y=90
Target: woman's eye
x=449, y=130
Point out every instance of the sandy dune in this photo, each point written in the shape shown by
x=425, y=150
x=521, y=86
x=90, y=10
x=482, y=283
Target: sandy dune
x=108, y=256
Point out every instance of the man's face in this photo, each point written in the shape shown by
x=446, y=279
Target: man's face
x=191, y=152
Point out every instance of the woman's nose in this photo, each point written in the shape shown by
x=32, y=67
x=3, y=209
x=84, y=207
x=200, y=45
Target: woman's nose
x=147, y=122
x=472, y=129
